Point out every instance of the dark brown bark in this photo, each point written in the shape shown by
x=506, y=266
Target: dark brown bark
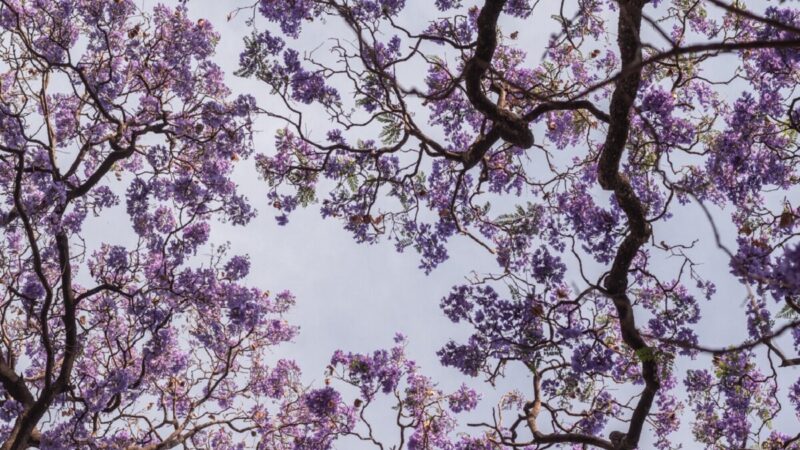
x=514, y=130
x=609, y=177
x=511, y=128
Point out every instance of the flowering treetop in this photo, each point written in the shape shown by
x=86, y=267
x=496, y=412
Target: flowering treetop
x=569, y=166
x=105, y=107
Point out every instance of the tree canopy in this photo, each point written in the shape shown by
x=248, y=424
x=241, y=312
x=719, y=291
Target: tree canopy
x=571, y=163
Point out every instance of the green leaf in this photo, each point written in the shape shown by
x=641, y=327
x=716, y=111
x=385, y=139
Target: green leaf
x=646, y=354
x=787, y=312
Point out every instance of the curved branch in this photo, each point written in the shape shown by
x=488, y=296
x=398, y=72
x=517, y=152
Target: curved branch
x=512, y=128
x=609, y=177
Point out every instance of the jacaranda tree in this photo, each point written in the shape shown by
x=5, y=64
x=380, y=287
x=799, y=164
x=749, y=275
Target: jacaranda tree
x=568, y=168
x=569, y=162
x=106, y=108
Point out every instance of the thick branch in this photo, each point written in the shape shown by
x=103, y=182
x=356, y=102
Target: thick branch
x=510, y=127
x=616, y=282
x=15, y=385
x=25, y=425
